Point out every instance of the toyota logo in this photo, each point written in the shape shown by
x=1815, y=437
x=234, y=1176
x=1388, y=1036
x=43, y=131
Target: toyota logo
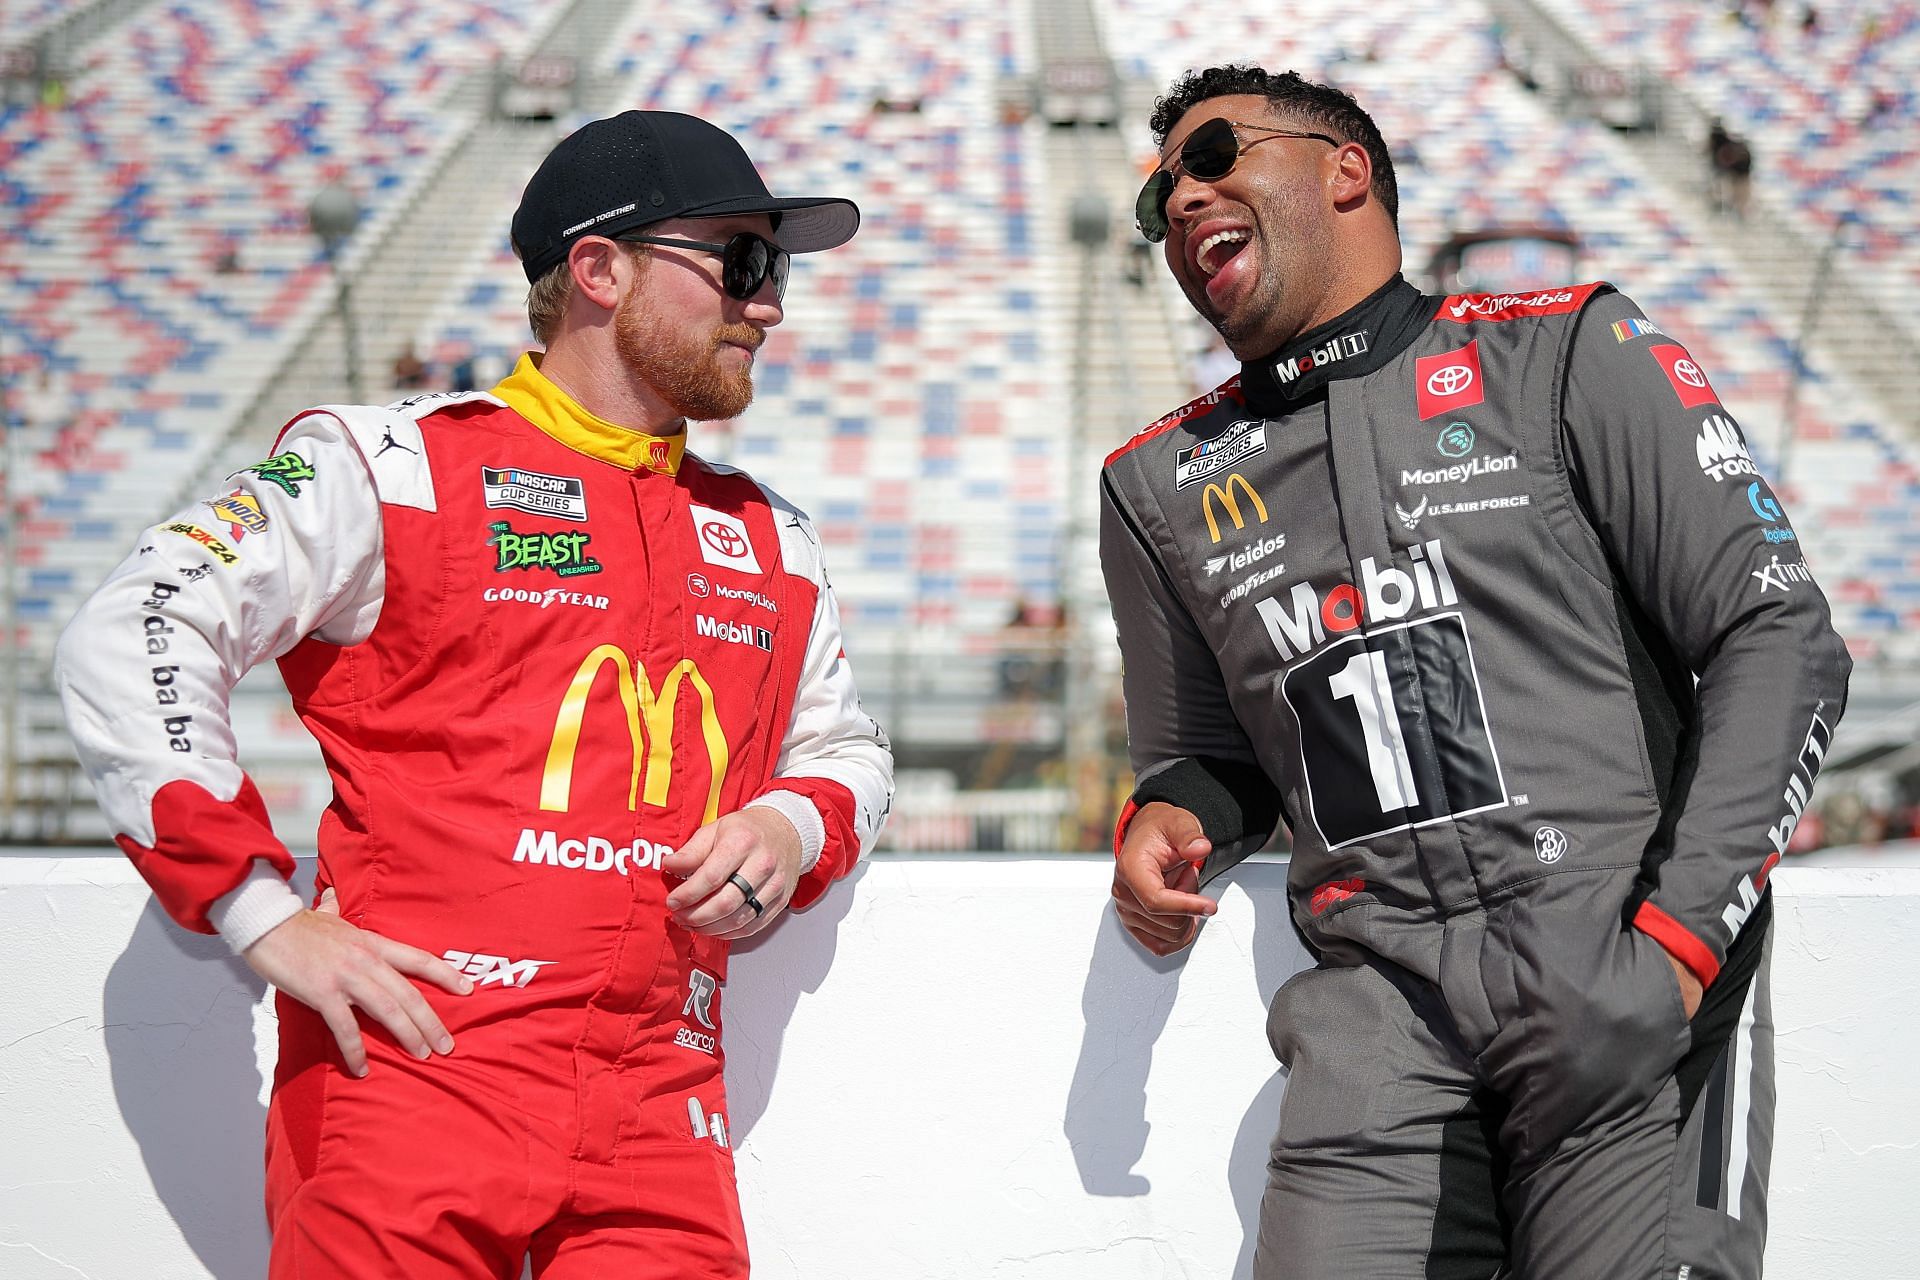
x=1450, y=380
x=727, y=542
x=1689, y=372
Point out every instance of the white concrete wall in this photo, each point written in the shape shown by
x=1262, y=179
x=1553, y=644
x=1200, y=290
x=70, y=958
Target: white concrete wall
x=954, y=1068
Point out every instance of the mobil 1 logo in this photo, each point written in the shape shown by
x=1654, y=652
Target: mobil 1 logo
x=1393, y=731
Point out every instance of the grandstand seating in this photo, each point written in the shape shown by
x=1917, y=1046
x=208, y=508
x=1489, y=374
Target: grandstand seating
x=1829, y=111
x=204, y=126
x=912, y=401
x=1489, y=152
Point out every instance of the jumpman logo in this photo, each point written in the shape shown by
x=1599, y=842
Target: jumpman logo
x=390, y=443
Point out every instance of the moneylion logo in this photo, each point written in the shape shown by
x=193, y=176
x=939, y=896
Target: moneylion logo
x=1227, y=500
x=650, y=723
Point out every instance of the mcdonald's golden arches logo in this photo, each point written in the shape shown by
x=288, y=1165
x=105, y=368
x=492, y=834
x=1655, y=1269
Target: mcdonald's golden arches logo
x=649, y=730
x=1227, y=500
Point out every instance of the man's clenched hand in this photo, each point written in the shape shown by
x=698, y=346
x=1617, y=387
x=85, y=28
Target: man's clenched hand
x=1155, y=876
x=757, y=846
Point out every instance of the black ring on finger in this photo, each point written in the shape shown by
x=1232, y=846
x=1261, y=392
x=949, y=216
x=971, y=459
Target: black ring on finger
x=745, y=887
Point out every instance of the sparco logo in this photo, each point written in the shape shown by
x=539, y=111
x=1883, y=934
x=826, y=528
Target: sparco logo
x=1460, y=472
x=733, y=632
x=1722, y=450
x=1497, y=302
x=486, y=969
x=1382, y=596
x=591, y=854
x=1799, y=789
x=1340, y=348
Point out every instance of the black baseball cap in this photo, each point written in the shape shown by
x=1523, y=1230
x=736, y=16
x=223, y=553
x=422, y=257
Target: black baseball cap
x=615, y=175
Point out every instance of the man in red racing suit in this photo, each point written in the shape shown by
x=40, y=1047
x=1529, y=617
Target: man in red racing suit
x=587, y=716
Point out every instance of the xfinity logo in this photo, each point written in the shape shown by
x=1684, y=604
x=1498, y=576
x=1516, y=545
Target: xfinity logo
x=1340, y=348
x=591, y=854
x=733, y=632
x=1774, y=574
x=1721, y=449
x=1460, y=472
x=1382, y=596
x=485, y=969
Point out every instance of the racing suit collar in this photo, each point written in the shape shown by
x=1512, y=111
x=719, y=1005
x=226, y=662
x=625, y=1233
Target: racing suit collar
x=1358, y=341
x=535, y=397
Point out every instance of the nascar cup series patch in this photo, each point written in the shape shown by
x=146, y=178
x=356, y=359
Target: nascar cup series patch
x=536, y=493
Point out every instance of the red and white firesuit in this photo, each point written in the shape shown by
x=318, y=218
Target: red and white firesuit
x=538, y=651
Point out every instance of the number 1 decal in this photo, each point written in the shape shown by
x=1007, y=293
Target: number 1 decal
x=1364, y=680
x=1393, y=731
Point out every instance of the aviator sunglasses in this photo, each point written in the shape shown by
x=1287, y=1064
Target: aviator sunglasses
x=1209, y=154
x=746, y=260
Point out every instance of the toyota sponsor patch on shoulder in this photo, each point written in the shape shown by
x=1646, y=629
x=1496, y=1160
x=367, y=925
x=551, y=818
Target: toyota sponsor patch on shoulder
x=536, y=493
x=723, y=539
x=1243, y=440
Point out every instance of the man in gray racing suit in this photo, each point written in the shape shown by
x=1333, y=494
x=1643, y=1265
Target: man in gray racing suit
x=1485, y=597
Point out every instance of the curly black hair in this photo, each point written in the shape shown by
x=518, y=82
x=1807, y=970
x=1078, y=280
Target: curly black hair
x=1318, y=106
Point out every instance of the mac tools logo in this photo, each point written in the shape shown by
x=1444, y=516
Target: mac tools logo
x=1722, y=450
x=1449, y=382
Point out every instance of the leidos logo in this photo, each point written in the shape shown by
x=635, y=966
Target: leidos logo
x=1227, y=500
x=1382, y=596
x=650, y=725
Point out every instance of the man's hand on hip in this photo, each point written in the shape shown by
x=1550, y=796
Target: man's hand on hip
x=740, y=873
x=334, y=967
x=1155, y=878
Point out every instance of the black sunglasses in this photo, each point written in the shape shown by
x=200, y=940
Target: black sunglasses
x=746, y=260
x=1209, y=154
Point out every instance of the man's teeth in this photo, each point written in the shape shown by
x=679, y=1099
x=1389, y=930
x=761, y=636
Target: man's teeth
x=1214, y=241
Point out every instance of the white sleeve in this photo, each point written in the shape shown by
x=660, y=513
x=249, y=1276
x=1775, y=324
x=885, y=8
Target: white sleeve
x=834, y=775
x=291, y=547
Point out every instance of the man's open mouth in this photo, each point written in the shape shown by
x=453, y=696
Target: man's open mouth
x=1219, y=249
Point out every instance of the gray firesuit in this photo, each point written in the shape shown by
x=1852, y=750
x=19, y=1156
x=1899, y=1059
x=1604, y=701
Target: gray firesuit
x=1486, y=599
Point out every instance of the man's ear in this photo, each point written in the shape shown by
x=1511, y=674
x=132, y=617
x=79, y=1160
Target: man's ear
x=594, y=261
x=1352, y=175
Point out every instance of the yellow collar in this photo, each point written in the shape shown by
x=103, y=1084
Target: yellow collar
x=533, y=396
